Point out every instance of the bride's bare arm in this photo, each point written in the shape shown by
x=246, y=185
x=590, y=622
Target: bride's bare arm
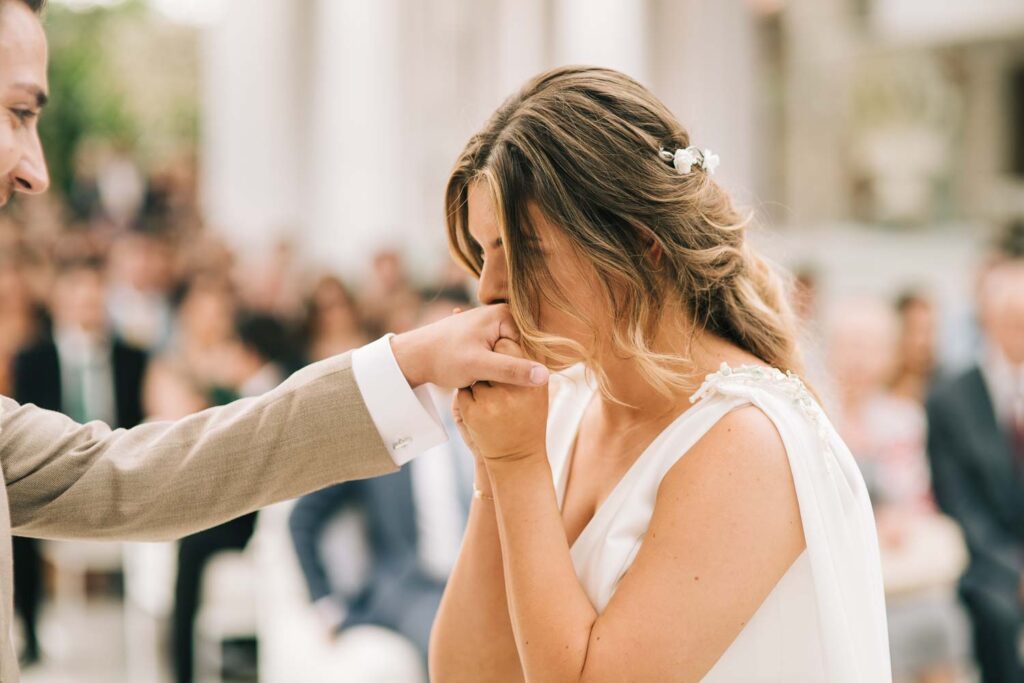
x=725, y=528
x=472, y=636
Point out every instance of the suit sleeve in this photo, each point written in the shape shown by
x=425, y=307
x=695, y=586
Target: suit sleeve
x=163, y=480
x=958, y=493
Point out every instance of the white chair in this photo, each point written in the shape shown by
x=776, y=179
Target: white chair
x=73, y=561
x=293, y=644
x=229, y=610
x=149, y=572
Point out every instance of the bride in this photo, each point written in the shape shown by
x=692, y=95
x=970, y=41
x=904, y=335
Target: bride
x=678, y=508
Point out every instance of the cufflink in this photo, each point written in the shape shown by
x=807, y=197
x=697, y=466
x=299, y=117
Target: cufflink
x=401, y=443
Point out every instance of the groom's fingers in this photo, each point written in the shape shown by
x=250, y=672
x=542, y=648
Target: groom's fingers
x=499, y=367
x=507, y=329
x=509, y=348
x=506, y=323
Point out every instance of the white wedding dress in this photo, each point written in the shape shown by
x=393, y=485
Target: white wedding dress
x=825, y=619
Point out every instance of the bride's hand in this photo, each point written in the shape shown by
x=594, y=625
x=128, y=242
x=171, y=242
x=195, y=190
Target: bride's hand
x=501, y=422
x=467, y=438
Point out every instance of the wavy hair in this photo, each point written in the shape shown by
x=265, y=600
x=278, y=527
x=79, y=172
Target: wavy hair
x=581, y=144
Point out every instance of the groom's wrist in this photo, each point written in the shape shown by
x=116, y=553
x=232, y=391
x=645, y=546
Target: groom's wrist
x=412, y=353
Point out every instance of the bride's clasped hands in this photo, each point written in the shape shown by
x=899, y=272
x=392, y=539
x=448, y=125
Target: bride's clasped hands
x=502, y=423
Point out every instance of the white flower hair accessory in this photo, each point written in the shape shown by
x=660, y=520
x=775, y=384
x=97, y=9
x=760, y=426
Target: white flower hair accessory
x=685, y=158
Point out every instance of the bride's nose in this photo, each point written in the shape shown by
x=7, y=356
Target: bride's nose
x=493, y=286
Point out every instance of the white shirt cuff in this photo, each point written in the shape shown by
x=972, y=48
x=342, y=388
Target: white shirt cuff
x=406, y=418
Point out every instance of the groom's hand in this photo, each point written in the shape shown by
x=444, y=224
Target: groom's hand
x=459, y=350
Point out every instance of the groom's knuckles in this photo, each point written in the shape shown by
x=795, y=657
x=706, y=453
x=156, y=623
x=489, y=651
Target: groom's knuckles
x=509, y=348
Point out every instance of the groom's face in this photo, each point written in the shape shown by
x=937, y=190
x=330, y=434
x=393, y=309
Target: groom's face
x=23, y=88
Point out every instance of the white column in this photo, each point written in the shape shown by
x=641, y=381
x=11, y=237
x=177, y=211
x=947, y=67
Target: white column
x=819, y=59
x=358, y=189
x=251, y=156
x=705, y=72
x=609, y=33
x=523, y=42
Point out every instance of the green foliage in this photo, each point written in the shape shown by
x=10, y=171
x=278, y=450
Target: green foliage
x=93, y=95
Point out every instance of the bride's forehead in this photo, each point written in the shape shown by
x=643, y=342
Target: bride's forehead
x=481, y=214
x=483, y=223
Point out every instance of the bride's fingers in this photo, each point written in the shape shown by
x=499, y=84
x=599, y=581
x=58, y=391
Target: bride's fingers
x=461, y=425
x=463, y=397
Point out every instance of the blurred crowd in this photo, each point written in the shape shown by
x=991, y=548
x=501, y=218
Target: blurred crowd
x=942, y=453
x=121, y=306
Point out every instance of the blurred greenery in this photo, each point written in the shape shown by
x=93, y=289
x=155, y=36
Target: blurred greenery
x=105, y=62
x=85, y=99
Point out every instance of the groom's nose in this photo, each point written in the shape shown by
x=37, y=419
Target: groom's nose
x=493, y=286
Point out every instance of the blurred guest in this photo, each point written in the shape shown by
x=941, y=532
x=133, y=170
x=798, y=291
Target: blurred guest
x=916, y=357
x=1011, y=240
x=414, y=521
x=806, y=291
x=21, y=320
x=274, y=284
x=252, y=366
x=121, y=184
x=389, y=302
x=922, y=550
x=171, y=194
x=182, y=379
x=805, y=294
x=333, y=324
x=142, y=275
x=206, y=255
x=84, y=195
x=84, y=372
x=976, y=447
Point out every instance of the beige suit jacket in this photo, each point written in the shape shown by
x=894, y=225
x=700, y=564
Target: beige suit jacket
x=163, y=480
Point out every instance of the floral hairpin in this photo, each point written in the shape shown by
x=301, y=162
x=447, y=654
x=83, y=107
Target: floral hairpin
x=685, y=158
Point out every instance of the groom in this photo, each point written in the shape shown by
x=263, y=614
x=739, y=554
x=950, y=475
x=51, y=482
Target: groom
x=348, y=417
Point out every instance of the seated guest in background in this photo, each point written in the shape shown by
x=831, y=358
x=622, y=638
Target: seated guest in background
x=182, y=379
x=142, y=276
x=85, y=372
x=21, y=319
x=976, y=447
x=921, y=550
x=413, y=524
x=886, y=434
x=388, y=301
x=916, y=358
x=252, y=365
x=333, y=323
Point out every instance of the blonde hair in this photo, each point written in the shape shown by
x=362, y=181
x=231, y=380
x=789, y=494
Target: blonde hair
x=582, y=145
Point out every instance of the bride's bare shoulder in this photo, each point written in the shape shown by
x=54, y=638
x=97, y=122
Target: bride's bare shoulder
x=739, y=468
